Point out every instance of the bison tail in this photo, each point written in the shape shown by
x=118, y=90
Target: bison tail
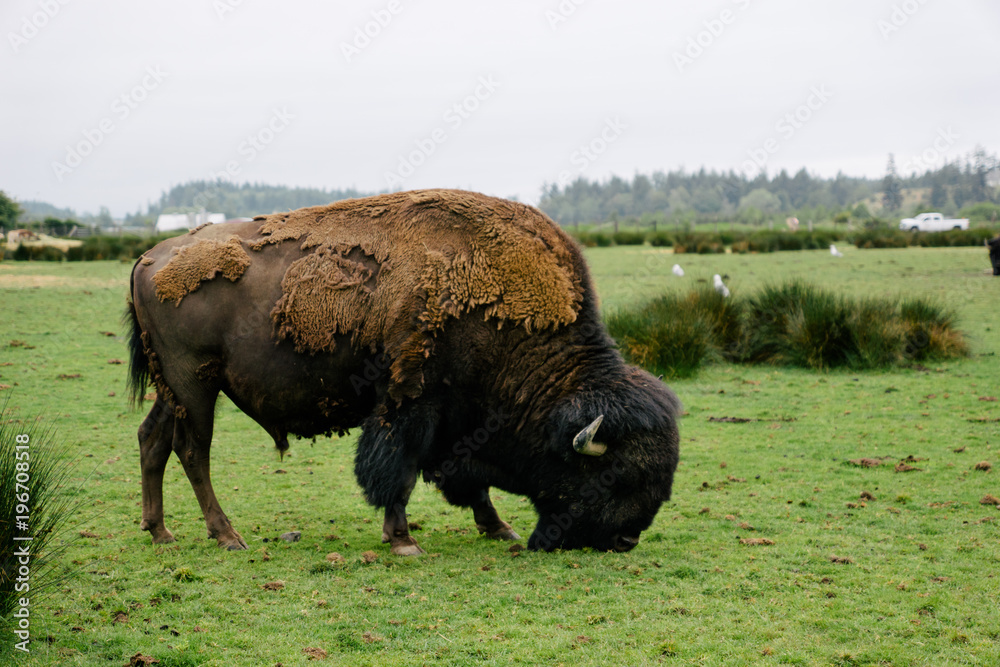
x=138, y=363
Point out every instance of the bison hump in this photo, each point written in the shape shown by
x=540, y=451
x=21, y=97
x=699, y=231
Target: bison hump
x=391, y=270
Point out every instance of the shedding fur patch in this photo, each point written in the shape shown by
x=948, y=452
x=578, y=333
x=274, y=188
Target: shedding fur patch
x=390, y=270
x=198, y=262
x=209, y=371
x=156, y=371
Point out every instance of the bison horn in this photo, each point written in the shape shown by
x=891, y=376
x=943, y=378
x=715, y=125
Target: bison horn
x=584, y=443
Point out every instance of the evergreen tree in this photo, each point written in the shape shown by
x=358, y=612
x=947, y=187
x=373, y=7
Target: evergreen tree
x=892, y=189
x=939, y=194
x=982, y=164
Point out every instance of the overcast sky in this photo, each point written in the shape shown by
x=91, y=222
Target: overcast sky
x=111, y=102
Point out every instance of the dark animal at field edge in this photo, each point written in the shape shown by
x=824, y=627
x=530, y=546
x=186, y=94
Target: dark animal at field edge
x=994, y=247
x=461, y=332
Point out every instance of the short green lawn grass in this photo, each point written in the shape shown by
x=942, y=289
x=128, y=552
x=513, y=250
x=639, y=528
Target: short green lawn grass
x=907, y=578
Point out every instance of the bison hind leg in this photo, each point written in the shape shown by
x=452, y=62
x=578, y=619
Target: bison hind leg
x=155, y=436
x=192, y=440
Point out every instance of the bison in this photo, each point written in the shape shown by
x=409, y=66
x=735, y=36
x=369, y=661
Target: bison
x=994, y=247
x=459, y=331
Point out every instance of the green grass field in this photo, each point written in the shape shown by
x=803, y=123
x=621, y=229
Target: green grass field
x=767, y=555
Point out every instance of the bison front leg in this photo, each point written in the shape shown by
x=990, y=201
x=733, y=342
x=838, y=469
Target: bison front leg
x=391, y=444
x=192, y=441
x=488, y=522
x=155, y=436
x=468, y=494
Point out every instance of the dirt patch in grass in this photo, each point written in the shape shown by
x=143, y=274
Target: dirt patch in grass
x=314, y=653
x=747, y=420
x=866, y=462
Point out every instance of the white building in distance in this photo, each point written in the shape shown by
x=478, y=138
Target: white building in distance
x=169, y=222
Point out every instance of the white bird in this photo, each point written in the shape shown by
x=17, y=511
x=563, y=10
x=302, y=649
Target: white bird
x=835, y=252
x=719, y=286
x=678, y=271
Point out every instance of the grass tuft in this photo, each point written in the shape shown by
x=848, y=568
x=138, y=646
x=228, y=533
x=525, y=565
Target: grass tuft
x=33, y=472
x=791, y=324
x=666, y=336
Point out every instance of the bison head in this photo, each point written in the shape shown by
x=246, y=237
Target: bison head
x=609, y=465
x=994, y=248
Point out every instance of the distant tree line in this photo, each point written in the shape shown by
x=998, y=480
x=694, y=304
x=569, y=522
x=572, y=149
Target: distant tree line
x=238, y=200
x=707, y=196
x=233, y=200
x=966, y=185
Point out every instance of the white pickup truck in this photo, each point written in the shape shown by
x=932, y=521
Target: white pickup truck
x=932, y=222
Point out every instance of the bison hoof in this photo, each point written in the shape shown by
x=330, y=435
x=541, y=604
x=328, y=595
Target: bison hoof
x=504, y=532
x=507, y=534
x=158, y=532
x=407, y=550
x=232, y=542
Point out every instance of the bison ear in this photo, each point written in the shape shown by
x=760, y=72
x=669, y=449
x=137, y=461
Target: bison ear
x=584, y=443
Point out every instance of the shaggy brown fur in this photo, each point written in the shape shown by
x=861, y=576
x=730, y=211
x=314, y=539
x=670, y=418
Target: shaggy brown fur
x=391, y=269
x=156, y=372
x=209, y=371
x=198, y=262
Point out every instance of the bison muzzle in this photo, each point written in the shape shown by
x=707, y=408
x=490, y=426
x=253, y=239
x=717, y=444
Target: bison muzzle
x=459, y=331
